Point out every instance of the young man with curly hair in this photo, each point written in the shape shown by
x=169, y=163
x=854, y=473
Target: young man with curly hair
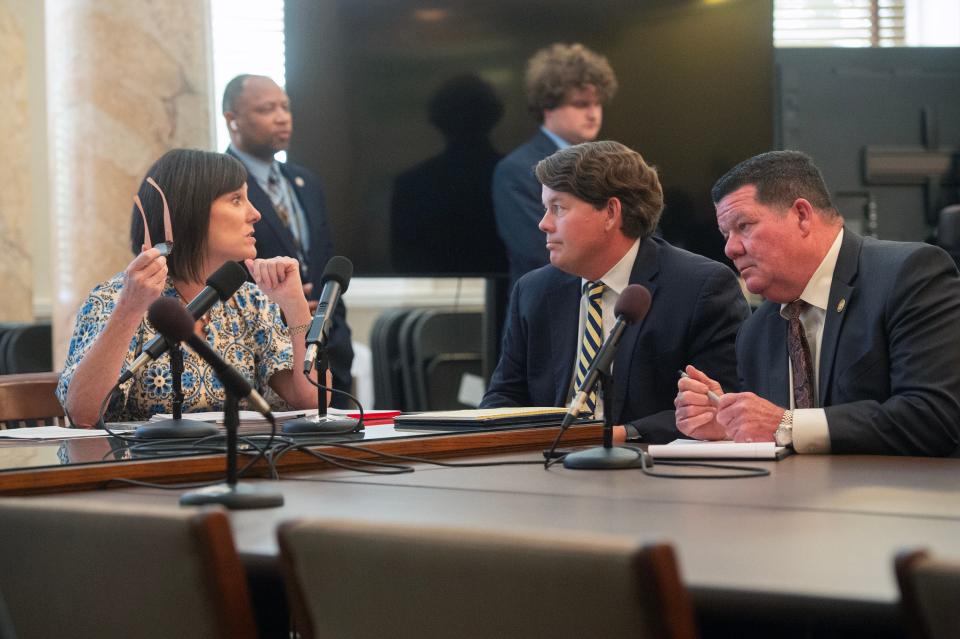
x=567, y=87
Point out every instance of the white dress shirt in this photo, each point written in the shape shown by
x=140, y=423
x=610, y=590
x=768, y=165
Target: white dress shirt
x=616, y=279
x=810, y=431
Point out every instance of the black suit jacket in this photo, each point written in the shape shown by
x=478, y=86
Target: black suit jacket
x=274, y=239
x=889, y=376
x=518, y=205
x=694, y=317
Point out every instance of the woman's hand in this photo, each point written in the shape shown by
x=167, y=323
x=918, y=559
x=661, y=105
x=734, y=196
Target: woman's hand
x=143, y=282
x=279, y=278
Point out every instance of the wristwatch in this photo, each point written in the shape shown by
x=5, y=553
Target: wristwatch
x=784, y=433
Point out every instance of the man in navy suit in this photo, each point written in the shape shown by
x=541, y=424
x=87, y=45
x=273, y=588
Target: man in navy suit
x=290, y=200
x=567, y=86
x=855, y=349
x=602, y=204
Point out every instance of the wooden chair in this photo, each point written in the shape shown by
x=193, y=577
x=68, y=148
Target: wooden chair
x=929, y=594
x=81, y=569
x=359, y=579
x=28, y=399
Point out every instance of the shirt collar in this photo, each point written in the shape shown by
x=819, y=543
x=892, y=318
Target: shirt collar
x=618, y=277
x=817, y=291
x=259, y=169
x=560, y=142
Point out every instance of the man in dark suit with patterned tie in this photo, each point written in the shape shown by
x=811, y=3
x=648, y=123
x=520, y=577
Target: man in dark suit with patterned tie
x=855, y=349
x=567, y=86
x=289, y=197
x=602, y=205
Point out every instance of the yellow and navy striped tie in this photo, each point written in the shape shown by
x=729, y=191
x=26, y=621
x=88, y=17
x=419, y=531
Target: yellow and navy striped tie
x=592, y=337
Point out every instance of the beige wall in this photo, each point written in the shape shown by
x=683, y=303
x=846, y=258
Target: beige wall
x=16, y=273
x=126, y=81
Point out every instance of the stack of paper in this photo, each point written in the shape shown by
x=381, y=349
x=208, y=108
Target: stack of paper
x=253, y=423
x=697, y=449
x=482, y=418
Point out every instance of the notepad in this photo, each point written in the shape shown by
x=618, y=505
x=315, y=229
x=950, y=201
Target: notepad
x=478, y=418
x=698, y=449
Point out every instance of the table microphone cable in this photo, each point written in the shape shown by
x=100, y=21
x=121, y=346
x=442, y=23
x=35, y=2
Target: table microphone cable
x=136, y=443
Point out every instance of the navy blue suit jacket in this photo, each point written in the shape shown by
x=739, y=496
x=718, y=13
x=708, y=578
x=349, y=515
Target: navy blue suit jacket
x=694, y=317
x=274, y=239
x=518, y=205
x=889, y=376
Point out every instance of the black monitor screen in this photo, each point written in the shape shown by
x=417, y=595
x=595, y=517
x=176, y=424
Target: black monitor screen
x=364, y=75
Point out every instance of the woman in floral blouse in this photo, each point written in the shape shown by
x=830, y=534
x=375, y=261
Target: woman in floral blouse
x=211, y=222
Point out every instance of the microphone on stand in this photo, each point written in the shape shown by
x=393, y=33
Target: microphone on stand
x=175, y=324
x=219, y=287
x=631, y=308
x=335, y=279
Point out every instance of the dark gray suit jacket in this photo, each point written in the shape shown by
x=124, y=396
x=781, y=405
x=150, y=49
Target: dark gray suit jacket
x=518, y=206
x=274, y=239
x=696, y=312
x=890, y=354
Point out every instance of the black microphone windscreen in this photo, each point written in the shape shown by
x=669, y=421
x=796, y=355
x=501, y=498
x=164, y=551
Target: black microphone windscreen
x=633, y=304
x=171, y=319
x=339, y=269
x=227, y=279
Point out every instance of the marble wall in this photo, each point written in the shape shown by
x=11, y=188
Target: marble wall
x=16, y=275
x=126, y=81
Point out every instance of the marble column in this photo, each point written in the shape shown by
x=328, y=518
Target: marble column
x=16, y=279
x=126, y=81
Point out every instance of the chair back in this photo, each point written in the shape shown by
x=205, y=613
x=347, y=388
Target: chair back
x=360, y=579
x=28, y=399
x=446, y=346
x=929, y=594
x=82, y=569
x=27, y=348
x=385, y=349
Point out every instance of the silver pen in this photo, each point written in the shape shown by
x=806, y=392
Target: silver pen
x=713, y=397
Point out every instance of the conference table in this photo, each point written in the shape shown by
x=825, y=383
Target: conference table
x=807, y=549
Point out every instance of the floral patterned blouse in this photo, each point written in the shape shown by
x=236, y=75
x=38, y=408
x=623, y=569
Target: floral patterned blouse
x=246, y=330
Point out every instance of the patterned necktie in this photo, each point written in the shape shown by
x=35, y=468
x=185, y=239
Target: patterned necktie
x=276, y=196
x=799, y=356
x=592, y=337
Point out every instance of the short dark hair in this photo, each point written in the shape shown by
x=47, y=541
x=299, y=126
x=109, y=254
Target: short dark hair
x=191, y=180
x=598, y=171
x=553, y=71
x=780, y=178
x=232, y=92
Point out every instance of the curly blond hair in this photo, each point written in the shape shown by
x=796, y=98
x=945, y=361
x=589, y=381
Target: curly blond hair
x=553, y=71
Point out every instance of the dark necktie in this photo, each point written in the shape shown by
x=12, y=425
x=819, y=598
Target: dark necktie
x=799, y=356
x=592, y=337
x=276, y=198
x=276, y=192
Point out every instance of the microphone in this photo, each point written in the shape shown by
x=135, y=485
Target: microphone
x=220, y=286
x=175, y=324
x=632, y=307
x=335, y=279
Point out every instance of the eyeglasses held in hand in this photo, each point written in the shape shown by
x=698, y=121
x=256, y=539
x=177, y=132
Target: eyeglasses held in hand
x=165, y=247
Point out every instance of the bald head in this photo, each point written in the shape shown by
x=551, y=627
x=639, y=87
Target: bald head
x=258, y=117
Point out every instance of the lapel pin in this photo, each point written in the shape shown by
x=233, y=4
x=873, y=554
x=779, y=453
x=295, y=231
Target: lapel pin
x=298, y=181
x=841, y=305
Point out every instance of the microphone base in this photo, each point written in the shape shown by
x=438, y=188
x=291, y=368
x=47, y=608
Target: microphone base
x=238, y=497
x=176, y=429
x=600, y=458
x=321, y=425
